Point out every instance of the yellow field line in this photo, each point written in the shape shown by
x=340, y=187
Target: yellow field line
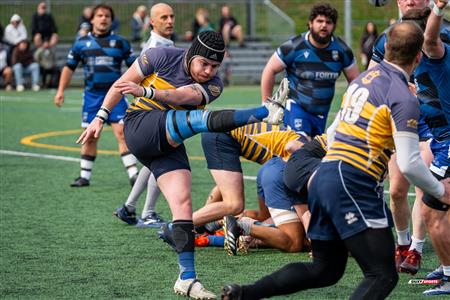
x=31, y=141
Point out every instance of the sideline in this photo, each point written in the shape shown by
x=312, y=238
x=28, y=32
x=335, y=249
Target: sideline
x=67, y=158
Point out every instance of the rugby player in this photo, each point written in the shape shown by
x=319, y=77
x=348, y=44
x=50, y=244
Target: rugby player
x=172, y=87
x=101, y=52
x=313, y=62
x=348, y=212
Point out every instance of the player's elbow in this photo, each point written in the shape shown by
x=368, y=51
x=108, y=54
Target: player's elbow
x=407, y=167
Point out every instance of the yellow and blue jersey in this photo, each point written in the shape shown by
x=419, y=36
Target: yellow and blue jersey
x=261, y=141
x=375, y=106
x=165, y=68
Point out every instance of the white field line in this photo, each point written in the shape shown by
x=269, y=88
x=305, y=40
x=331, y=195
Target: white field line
x=67, y=158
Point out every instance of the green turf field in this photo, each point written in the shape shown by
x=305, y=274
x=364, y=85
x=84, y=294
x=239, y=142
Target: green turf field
x=59, y=242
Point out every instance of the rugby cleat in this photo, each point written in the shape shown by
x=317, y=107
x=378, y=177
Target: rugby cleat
x=232, y=233
x=231, y=292
x=436, y=274
x=125, y=215
x=411, y=264
x=401, y=251
x=80, y=182
x=153, y=220
x=277, y=103
x=442, y=288
x=192, y=288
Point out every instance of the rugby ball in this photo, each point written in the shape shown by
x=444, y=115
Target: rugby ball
x=379, y=3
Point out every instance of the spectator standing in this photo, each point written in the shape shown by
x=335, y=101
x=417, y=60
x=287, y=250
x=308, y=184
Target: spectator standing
x=229, y=26
x=162, y=20
x=201, y=22
x=45, y=56
x=85, y=28
x=85, y=18
x=23, y=63
x=368, y=39
x=15, y=31
x=43, y=27
x=139, y=23
x=5, y=69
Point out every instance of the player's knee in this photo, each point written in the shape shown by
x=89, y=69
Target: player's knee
x=183, y=236
x=234, y=207
x=326, y=274
x=398, y=193
x=385, y=281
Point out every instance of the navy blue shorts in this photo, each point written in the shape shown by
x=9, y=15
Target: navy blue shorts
x=92, y=103
x=299, y=120
x=145, y=135
x=344, y=201
x=222, y=152
x=270, y=185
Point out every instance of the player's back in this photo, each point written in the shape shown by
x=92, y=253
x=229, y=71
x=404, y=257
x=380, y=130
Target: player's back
x=376, y=105
x=261, y=141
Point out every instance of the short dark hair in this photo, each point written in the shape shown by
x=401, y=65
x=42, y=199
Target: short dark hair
x=404, y=41
x=103, y=6
x=323, y=9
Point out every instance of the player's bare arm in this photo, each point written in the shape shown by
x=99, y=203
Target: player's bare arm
x=432, y=45
x=351, y=72
x=272, y=68
x=189, y=94
x=111, y=99
x=66, y=76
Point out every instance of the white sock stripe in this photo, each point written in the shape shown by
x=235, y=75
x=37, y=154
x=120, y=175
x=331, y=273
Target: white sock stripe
x=129, y=160
x=86, y=164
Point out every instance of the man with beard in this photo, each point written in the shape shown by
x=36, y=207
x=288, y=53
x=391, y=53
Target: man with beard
x=313, y=61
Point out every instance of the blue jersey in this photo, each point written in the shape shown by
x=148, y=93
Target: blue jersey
x=312, y=72
x=432, y=82
x=101, y=56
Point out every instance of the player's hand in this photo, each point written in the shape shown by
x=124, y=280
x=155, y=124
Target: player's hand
x=129, y=87
x=412, y=88
x=59, y=99
x=446, y=197
x=440, y=3
x=92, y=131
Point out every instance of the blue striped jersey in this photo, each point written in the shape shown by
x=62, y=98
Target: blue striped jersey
x=312, y=72
x=102, y=57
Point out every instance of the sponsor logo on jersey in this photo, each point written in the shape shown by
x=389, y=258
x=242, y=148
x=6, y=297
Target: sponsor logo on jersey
x=88, y=44
x=307, y=75
x=326, y=75
x=104, y=61
x=306, y=54
x=214, y=89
